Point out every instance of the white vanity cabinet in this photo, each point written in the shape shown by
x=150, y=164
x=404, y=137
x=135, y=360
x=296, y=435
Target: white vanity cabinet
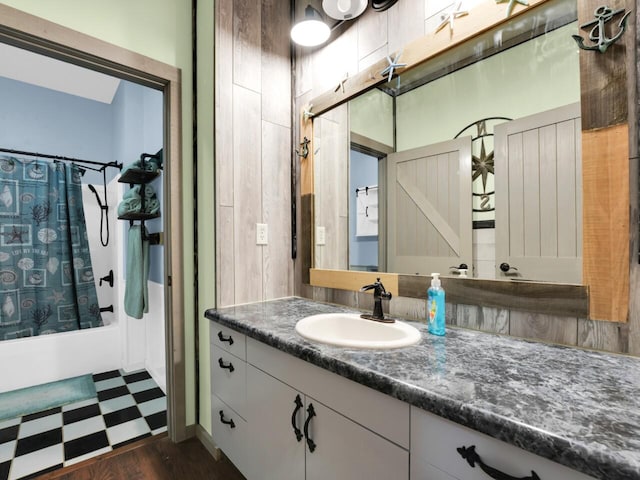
x=331, y=443
x=229, y=393
x=261, y=420
x=434, y=454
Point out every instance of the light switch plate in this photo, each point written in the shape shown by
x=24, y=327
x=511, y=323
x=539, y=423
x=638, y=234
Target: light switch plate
x=262, y=234
x=321, y=237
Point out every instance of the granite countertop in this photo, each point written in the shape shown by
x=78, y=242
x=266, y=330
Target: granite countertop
x=577, y=407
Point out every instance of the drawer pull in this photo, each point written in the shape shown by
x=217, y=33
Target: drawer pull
x=222, y=365
x=225, y=339
x=470, y=455
x=296, y=430
x=311, y=413
x=226, y=422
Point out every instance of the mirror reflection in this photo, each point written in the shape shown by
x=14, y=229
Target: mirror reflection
x=466, y=165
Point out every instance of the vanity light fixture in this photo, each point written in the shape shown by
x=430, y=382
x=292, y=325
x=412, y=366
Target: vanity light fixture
x=312, y=30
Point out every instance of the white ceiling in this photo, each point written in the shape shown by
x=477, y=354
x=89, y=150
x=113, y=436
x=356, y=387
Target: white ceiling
x=29, y=67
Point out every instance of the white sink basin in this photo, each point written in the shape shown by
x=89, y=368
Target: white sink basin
x=349, y=330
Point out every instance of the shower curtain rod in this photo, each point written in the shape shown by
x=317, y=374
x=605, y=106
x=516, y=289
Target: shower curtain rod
x=64, y=159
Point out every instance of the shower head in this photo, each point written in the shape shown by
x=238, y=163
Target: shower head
x=93, y=189
x=104, y=209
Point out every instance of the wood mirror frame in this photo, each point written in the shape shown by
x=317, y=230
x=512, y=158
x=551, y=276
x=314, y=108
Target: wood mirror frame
x=41, y=36
x=607, y=89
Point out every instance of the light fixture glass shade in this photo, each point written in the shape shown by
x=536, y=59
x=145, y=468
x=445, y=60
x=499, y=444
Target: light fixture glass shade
x=312, y=30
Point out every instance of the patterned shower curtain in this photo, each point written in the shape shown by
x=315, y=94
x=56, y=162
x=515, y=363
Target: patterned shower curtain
x=46, y=278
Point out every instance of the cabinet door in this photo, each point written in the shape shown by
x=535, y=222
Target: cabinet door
x=229, y=431
x=275, y=453
x=345, y=450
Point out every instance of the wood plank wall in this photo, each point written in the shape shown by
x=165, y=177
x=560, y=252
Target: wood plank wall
x=605, y=161
x=253, y=150
x=368, y=40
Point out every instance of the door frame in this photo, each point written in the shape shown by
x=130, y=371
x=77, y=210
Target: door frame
x=41, y=36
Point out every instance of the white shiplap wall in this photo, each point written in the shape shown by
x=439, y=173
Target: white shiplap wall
x=253, y=150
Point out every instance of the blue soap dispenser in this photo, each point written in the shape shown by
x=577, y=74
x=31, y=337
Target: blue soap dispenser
x=435, y=306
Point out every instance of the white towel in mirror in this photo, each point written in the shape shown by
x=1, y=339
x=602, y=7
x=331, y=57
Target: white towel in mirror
x=367, y=211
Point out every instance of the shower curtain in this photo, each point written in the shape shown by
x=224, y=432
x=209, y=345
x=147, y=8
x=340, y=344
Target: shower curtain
x=46, y=278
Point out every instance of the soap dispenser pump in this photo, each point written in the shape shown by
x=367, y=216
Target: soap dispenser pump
x=435, y=306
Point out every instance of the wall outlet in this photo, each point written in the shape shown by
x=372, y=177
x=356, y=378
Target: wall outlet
x=262, y=234
x=321, y=236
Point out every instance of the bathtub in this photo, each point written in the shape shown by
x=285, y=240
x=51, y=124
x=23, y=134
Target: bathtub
x=123, y=343
x=35, y=360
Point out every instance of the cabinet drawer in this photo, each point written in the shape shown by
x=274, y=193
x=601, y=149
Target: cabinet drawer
x=381, y=413
x=228, y=339
x=229, y=379
x=232, y=439
x=434, y=443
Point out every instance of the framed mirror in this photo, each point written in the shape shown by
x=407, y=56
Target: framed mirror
x=521, y=119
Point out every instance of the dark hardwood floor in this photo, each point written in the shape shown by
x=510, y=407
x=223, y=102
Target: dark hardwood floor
x=156, y=458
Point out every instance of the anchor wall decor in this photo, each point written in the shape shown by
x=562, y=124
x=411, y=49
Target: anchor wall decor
x=598, y=34
x=305, y=148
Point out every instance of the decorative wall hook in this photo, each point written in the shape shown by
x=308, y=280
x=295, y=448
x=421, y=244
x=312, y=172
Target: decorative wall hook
x=512, y=4
x=598, y=34
x=304, y=151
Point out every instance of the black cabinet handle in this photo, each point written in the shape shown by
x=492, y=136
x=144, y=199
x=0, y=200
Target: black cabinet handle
x=311, y=413
x=226, y=422
x=222, y=365
x=296, y=430
x=470, y=455
x=227, y=339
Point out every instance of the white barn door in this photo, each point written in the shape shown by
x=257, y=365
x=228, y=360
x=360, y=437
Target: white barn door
x=538, y=184
x=429, y=208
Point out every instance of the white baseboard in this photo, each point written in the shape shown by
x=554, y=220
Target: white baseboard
x=134, y=367
x=158, y=377
x=209, y=444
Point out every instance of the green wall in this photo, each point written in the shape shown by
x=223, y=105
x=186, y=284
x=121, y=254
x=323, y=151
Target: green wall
x=533, y=77
x=206, y=201
x=371, y=115
x=160, y=29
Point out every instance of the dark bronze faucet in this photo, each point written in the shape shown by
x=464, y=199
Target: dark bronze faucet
x=378, y=294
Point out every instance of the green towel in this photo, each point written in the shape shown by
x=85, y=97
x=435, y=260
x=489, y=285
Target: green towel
x=132, y=202
x=151, y=202
x=136, y=294
x=151, y=164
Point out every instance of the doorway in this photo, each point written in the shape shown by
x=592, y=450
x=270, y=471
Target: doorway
x=36, y=35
